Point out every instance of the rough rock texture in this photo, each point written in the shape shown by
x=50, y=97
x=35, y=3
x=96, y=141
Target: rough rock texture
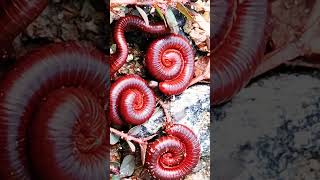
x=279, y=130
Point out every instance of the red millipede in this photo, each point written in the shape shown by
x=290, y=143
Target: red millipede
x=53, y=127
x=122, y=25
x=241, y=49
x=173, y=156
x=131, y=101
x=52, y=119
x=15, y=16
x=170, y=59
x=223, y=14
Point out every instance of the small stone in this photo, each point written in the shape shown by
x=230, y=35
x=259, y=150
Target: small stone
x=130, y=58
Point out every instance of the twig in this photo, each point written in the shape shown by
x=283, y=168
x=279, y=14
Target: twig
x=302, y=63
x=128, y=137
x=166, y=112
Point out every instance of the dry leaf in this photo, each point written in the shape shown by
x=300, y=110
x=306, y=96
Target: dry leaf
x=127, y=166
x=204, y=25
x=201, y=66
x=143, y=150
x=172, y=21
x=132, y=146
x=160, y=13
x=143, y=15
x=185, y=11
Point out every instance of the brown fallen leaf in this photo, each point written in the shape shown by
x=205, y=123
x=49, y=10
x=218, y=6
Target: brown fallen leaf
x=143, y=149
x=184, y=10
x=200, y=66
x=202, y=70
x=306, y=44
x=143, y=15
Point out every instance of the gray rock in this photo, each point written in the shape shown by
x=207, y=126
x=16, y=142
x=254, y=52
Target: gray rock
x=278, y=120
x=191, y=108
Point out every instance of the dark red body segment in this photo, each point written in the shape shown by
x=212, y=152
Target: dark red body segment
x=131, y=101
x=223, y=16
x=15, y=16
x=123, y=24
x=181, y=148
x=235, y=61
x=41, y=76
x=170, y=59
x=68, y=139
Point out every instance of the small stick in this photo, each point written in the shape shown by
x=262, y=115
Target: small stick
x=128, y=137
x=166, y=112
x=302, y=63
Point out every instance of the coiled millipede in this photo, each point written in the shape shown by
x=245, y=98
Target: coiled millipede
x=51, y=124
x=54, y=127
x=131, y=101
x=15, y=16
x=122, y=25
x=175, y=155
x=238, y=50
x=169, y=58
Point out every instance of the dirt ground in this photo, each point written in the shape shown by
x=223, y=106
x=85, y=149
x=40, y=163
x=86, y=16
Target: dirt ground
x=69, y=20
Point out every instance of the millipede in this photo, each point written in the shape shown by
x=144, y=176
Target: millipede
x=175, y=155
x=51, y=125
x=15, y=16
x=131, y=101
x=46, y=99
x=240, y=48
x=169, y=58
x=122, y=25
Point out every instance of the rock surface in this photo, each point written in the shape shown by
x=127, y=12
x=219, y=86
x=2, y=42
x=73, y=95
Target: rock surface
x=279, y=130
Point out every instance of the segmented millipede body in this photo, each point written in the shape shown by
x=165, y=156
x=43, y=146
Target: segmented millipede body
x=170, y=59
x=131, y=101
x=223, y=16
x=15, y=16
x=122, y=25
x=52, y=119
x=236, y=59
x=173, y=156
